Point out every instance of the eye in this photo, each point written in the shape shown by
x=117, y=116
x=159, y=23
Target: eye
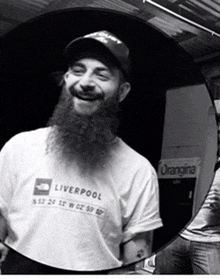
x=103, y=75
x=77, y=70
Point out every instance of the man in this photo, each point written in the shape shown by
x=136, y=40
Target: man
x=74, y=197
x=196, y=250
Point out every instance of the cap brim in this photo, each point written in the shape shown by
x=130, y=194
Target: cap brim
x=76, y=47
x=80, y=45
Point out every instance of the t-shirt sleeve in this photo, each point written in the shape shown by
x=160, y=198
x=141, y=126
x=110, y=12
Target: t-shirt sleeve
x=141, y=210
x=6, y=178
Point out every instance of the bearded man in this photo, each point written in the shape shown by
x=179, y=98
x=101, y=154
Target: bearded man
x=74, y=197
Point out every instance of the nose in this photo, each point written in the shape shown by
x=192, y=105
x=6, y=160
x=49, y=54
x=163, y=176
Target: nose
x=86, y=83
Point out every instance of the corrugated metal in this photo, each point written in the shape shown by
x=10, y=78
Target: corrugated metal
x=203, y=9
x=207, y=12
x=28, y=4
x=166, y=26
x=15, y=12
x=23, y=10
x=207, y=7
x=114, y=5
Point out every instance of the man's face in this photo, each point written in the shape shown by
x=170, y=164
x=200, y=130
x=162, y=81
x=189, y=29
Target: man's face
x=91, y=82
x=85, y=120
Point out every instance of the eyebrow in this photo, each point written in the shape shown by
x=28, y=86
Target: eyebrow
x=103, y=69
x=77, y=64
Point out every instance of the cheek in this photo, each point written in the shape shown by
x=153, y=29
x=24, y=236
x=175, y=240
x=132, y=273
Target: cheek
x=111, y=89
x=69, y=80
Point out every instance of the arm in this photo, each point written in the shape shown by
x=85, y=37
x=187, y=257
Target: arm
x=3, y=233
x=3, y=252
x=139, y=247
x=3, y=228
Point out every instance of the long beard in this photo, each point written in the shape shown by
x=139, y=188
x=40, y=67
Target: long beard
x=84, y=139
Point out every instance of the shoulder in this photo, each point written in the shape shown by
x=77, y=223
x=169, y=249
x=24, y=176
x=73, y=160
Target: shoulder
x=129, y=163
x=125, y=153
x=26, y=139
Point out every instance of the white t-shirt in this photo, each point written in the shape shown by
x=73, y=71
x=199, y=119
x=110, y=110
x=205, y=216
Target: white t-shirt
x=205, y=227
x=69, y=221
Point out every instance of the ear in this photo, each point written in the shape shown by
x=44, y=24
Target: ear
x=57, y=78
x=124, y=90
x=65, y=76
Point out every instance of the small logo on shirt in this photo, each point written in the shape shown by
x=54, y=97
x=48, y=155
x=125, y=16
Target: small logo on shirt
x=42, y=186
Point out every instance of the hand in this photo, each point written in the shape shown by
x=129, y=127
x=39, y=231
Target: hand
x=3, y=252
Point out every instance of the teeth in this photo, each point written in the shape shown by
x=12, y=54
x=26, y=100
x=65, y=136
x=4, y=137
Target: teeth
x=87, y=98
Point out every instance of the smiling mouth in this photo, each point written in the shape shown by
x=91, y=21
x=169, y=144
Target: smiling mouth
x=88, y=97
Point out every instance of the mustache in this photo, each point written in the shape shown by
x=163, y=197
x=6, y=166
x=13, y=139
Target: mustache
x=87, y=94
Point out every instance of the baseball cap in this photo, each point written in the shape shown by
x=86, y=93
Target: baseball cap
x=113, y=44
